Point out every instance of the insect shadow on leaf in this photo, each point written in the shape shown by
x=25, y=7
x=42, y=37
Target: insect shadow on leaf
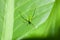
x=29, y=20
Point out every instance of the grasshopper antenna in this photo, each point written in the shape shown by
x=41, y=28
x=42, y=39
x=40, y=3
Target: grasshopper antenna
x=34, y=12
x=22, y=16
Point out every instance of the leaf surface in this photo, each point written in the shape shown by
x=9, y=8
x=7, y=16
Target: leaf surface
x=25, y=10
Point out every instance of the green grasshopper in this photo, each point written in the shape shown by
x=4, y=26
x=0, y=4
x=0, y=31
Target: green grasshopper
x=29, y=20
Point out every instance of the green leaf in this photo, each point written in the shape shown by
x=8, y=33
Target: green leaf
x=51, y=27
x=25, y=10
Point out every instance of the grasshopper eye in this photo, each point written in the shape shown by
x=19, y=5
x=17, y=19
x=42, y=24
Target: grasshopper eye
x=29, y=22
